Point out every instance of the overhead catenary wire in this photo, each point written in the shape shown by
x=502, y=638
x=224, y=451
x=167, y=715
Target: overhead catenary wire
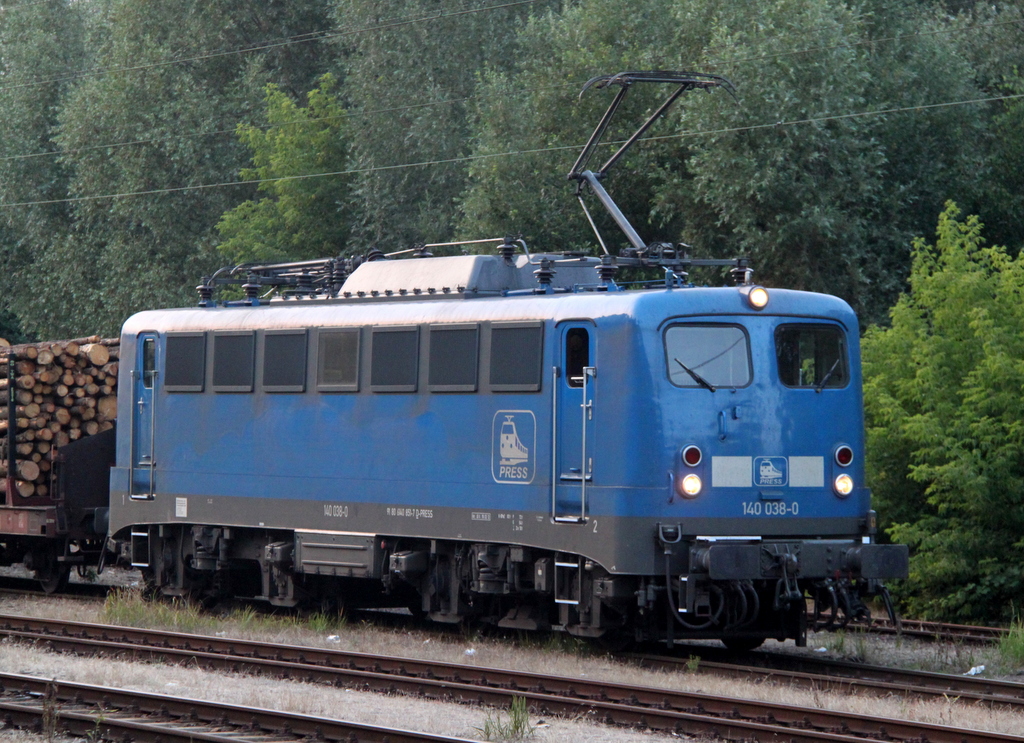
x=512, y=153
x=455, y=101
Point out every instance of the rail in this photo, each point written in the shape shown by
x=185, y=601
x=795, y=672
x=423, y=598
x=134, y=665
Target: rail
x=615, y=703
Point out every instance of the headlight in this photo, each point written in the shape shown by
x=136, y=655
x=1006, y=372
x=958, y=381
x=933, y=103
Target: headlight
x=691, y=485
x=844, y=485
x=758, y=297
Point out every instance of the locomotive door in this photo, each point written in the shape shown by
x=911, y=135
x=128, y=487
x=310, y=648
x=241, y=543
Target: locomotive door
x=143, y=454
x=573, y=420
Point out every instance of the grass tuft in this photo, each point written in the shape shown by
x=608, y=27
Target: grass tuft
x=129, y=607
x=133, y=607
x=1011, y=645
x=516, y=728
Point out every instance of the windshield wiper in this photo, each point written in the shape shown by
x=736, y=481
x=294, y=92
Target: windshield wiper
x=696, y=377
x=821, y=385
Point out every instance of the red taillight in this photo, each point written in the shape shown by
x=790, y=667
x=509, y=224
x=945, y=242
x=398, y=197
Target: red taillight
x=844, y=455
x=691, y=456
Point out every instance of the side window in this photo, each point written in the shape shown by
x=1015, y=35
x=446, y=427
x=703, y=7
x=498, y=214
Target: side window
x=702, y=355
x=149, y=363
x=284, y=361
x=185, y=362
x=233, y=361
x=337, y=365
x=517, y=350
x=811, y=355
x=454, y=352
x=577, y=355
x=394, y=359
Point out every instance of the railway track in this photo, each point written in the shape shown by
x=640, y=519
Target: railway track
x=838, y=675
x=925, y=630
x=621, y=704
x=99, y=712
x=939, y=631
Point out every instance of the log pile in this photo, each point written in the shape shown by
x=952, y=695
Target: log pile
x=63, y=390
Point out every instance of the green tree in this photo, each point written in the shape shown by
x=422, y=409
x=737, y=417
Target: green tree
x=39, y=44
x=945, y=424
x=144, y=133
x=303, y=217
x=411, y=72
x=820, y=196
x=534, y=111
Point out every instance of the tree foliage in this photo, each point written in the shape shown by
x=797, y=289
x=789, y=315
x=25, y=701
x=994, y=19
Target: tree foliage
x=303, y=216
x=945, y=420
x=143, y=129
x=793, y=173
x=411, y=70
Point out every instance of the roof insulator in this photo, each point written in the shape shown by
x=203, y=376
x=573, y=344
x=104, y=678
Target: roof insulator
x=304, y=284
x=205, y=292
x=608, y=268
x=252, y=289
x=544, y=275
x=508, y=248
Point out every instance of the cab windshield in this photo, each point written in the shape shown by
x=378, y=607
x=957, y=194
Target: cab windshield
x=811, y=355
x=708, y=356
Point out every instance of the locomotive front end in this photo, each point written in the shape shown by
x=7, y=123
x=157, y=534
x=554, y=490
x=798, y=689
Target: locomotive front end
x=767, y=504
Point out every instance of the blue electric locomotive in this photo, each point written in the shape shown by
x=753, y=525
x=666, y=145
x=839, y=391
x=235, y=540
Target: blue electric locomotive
x=511, y=438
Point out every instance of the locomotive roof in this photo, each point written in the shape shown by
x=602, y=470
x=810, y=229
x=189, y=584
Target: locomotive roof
x=648, y=306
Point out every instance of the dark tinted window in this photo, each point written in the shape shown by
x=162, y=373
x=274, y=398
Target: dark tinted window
x=148, y=362
x=577, y=355
x=284, y=361
x=185, y=367
x=453, y=359
x=717, y=354
x=233, y=363
x=338, y=361
x=516, y=354
x=811, y=355
x=394, y=364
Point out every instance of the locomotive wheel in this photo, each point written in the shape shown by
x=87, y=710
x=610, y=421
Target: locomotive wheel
x=53, y=576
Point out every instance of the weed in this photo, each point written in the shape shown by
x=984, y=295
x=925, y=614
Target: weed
x=96, y=734
x=247, y=617
x=50, y=714
x=836, y=642
x=324, y=621
x=516, y=728
x=692, y=663
x=1011, y=645
x=862, y=647
x=129, y=607
x=566, y=644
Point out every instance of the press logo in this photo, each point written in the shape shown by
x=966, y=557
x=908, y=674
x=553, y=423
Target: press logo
x=770, y=472
x=514, y=445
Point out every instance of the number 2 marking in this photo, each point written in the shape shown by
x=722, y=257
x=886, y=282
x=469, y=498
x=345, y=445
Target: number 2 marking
x=595, y=526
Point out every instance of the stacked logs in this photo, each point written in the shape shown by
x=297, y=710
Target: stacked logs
x=63, y=390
